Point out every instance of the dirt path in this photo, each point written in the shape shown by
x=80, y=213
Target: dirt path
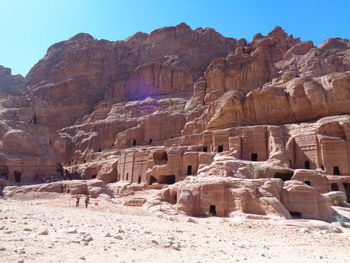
x=44, y=230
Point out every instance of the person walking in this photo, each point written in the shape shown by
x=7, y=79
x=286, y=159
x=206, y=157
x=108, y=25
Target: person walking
x=87, y=199
x=77, y=202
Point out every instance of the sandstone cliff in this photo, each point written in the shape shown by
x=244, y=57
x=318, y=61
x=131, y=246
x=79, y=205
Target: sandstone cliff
x=161, y=109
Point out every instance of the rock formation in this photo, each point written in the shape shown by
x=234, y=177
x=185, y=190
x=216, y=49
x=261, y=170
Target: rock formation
x=220, y=125
x=26, y=147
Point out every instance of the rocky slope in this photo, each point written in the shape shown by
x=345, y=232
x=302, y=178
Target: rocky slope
x=76, y=74
x=158, y=109
x=26, y=148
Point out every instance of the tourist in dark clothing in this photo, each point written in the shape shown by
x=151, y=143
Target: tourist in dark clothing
x=77, y=202
x=87, y=199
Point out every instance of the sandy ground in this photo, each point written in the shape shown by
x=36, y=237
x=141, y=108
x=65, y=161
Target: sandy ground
x=53, y=230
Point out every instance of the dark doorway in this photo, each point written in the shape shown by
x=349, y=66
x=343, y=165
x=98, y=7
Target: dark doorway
x=127, y=176
x=205, y=149
x=189, y=170
x=284, y=176
x=35, y=120
x=335, y=187
x=307, y=165
x=150, y=141
x=139, y=180
x=290, y=164
x=212, y=210
x=93, y=176
x=134, y=143
x=254, y=157
x=18, y=176
x=347, y=190
x=167, y=179
x=307, y=182
x=99, y=150
x=220, y=148
x=336, y=170
x=295, y=215
x=152, y=180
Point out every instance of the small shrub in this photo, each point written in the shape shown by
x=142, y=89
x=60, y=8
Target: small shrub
x=124, y=192
x=173, y=106
x=340, y=219
x=258, y=173
x=207, y=214
x=328, y=52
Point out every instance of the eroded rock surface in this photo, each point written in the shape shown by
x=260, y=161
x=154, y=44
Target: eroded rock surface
x=234, y=127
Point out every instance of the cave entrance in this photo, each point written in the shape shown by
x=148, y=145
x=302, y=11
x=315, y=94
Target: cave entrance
x=18, y=176
x=347, y=190
x=134, y=143
x=307, y=165
x=254, y=157
x=152, y=180
x=93, y=176
x=335, y=187
x=160, y=157
x=205, y=149
x=307, y=182
x=150, y=141
x=212, y=210
x=166, y=179
x=139, y=180
x=336, y=170
x=284, y=176
x=295, y=215
x=189, y=170
x=220, y=148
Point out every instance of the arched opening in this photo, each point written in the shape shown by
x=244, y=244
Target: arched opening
x=134, y=142
x=18, y=176
x=336, y=170
x=205, y=149
x=220, y=148
x=166, y=179
x=335, y=187
x=284, y=176
x=152, y=180
x=254, y=157
x=212, y=210
x=160, y=157
x=139, y=180
x=307, y=182
x=150, y=141
x=189, y=170
x=295, y=215
x=307, y=165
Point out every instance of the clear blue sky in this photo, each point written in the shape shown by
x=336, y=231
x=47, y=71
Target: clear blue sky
x=29, y=27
